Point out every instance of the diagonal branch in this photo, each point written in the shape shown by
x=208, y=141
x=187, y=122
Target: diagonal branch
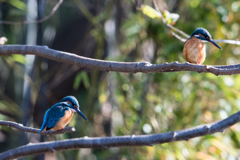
x=170, y=26
x=120, y=141
x=127, y=67
x=33, y=130
x=37, y=21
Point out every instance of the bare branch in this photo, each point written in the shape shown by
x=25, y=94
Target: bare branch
x=120, y=141
x=37, y=21
x=227, y=41
x=33, y=130
x=178, y=30
x=187, y=36
x=128, y=67
x=177, y=36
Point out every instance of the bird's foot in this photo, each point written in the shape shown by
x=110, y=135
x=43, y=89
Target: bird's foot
x=60, y=129
x=206, y=66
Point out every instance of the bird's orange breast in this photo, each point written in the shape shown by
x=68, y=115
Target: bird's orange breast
x=64, y=120
x=194, y=51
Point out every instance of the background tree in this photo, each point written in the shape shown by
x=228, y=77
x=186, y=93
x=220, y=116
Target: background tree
x=120, y=103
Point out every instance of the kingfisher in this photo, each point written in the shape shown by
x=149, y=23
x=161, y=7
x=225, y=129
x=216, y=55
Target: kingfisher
x=60, y=114
x=194, y=48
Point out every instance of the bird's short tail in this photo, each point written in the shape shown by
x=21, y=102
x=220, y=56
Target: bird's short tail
x=42, y=129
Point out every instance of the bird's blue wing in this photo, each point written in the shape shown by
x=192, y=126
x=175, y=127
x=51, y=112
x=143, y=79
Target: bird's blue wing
x=52, y=116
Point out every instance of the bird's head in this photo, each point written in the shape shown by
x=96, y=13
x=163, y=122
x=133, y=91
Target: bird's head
x=72, y=103
x=204, y=35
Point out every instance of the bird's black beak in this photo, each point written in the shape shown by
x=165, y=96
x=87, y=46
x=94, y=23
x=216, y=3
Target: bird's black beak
x=214, y=43
x=80, y=113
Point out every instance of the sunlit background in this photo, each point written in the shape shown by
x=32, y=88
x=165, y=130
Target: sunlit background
x=119, y=103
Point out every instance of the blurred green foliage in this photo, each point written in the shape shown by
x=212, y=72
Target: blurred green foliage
x=17, y=3
x=81, y=77
x=137, y=103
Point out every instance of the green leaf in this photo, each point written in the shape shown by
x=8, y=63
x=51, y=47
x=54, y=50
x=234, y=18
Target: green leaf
x=18, y=4
x=81, y=76
x=85, y=80
x=19, y=58
x=150, y=12
x=133, y=30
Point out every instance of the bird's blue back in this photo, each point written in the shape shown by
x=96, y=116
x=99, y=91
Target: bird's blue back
x=53, y=115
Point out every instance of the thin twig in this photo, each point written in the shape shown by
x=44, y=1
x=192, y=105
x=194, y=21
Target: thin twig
x=128, y=67
x=227, y=41
x=178, y=30
x=36, y=21
x=120, y=141
x=34, y=130
x=177, y=36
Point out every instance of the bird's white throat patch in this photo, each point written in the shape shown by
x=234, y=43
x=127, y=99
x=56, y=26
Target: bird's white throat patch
x=73, y=110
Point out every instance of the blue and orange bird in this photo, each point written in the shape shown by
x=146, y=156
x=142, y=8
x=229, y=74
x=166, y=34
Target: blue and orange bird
x=194, y=48
x=60, y=114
